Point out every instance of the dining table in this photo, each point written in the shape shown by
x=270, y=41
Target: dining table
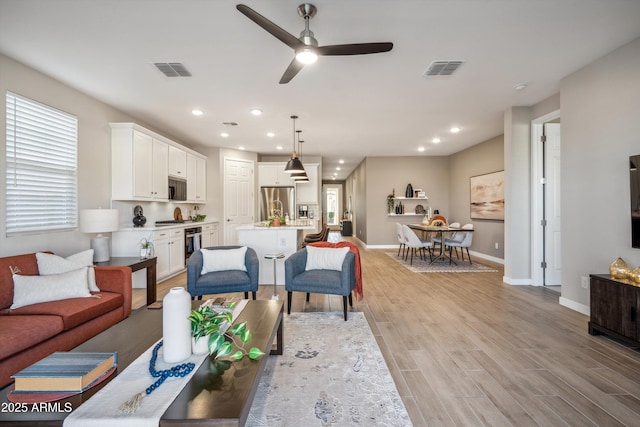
x=440, y=231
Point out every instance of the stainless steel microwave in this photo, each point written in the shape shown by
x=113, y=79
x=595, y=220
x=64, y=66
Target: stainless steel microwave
x=177, y=189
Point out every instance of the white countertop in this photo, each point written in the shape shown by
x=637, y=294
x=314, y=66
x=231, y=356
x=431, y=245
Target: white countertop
x=289, y=226
x=151, y=227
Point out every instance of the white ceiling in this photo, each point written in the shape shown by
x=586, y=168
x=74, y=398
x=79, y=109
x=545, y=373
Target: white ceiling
x=350, y=107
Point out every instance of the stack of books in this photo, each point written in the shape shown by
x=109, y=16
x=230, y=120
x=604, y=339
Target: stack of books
x=65, y=372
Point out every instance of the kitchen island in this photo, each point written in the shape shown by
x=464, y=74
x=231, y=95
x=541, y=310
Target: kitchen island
x=264, y=240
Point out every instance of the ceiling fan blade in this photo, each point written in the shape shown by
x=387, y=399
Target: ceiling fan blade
x=285, y=37
x=294, y=68
x=354, y=49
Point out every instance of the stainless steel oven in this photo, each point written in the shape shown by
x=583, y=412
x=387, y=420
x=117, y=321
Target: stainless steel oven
x=192, y=241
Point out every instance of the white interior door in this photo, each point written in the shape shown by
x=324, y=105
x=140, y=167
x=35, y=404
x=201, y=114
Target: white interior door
x=553, y=271
x=238, y=197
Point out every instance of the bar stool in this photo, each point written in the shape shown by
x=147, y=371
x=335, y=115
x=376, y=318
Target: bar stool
x=275, y=256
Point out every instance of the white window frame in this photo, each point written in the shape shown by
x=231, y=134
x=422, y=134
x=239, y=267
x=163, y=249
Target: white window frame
x=41, y=168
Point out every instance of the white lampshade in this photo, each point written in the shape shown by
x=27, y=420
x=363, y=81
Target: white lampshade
x=99, y=221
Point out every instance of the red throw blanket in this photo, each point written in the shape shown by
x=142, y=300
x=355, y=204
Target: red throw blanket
x=358, y=269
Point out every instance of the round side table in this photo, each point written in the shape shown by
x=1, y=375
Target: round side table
x=275, y=256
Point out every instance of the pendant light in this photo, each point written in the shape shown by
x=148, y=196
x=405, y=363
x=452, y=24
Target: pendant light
x=294, y=165
x=299, y=176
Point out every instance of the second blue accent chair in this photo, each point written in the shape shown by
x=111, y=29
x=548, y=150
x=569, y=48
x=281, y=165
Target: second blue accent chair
x=319, y=281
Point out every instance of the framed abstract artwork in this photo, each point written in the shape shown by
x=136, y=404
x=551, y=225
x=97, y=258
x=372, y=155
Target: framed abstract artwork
x=487, y=196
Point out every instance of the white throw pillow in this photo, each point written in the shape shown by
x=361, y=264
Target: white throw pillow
x=325, y=258
x=223, y=259
x=54, y=264
x=29, y=290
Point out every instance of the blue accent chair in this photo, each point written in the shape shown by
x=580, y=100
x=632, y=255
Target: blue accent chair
x=319, y=281
x=222, y=282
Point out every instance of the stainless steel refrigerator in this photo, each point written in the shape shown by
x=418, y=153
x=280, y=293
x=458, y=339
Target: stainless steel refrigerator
x=280, y=199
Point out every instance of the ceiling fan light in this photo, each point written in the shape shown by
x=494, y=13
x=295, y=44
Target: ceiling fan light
x=294, y=165
x=306, y=56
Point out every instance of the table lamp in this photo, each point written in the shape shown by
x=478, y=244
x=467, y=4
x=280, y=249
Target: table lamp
x=99, y=221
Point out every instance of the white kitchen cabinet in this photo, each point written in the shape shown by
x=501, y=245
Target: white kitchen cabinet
x=201, y=180
x=272, y=175
x=162, y=252
x=141, y=161
x=177, y=162
x=196, y=179
x=169, y=249
x=176, y=250
x=143, y=179
x=307, y=192
x=210, y=235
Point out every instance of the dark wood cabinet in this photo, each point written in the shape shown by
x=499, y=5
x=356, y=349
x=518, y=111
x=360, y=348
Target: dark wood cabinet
x=614, y=308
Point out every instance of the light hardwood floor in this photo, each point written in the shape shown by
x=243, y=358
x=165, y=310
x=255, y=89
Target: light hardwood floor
x=466, y=349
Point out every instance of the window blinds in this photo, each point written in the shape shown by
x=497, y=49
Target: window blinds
x=41, y=180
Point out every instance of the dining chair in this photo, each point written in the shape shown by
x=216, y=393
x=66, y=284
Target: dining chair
x=438, y=241
x=402, y=243
x=413, y=243
x=461, y=240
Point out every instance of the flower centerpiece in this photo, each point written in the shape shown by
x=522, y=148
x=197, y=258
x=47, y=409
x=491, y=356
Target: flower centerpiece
x=212, y=326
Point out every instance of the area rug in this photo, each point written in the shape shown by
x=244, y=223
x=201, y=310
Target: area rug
x=441, y=266
x=332, y=373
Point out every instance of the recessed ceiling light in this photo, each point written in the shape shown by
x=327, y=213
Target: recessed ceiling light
x=256, y=111
x=224, y=134
x=341, y=161
x=333, y=177
x=454, y=129
x=271, y=134
x=421, y=149
x=520, y=86
x=197, y=112
x=279, y=147
x=338, y=168
x=436, y=140
x=335, y=174
x=241, y=148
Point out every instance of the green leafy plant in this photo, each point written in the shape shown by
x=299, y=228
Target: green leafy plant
x=146, y=243
x=390, y=203
x=223, y=336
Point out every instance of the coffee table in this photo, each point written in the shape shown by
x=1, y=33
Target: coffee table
x=219, y=394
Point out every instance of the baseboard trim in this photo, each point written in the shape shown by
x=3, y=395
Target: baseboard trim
x=381, y=247
x=575, y=306
x=487, y=257
x=516, y=282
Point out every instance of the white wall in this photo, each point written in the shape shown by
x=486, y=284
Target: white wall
x=94, y=152
x=94, y=157
x=600, y=113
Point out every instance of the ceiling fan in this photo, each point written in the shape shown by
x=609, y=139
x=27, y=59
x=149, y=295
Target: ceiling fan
x=306, y=46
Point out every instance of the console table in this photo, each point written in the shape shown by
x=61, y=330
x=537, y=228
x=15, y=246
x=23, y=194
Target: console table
x=614, y=308
x=138, y=264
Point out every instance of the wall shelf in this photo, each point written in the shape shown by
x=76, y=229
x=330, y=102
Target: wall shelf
x=410, y=198
x=406, y=214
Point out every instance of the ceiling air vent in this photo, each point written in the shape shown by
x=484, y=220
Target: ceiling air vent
x=443, y=68
x=230, y=123
x=172, y=69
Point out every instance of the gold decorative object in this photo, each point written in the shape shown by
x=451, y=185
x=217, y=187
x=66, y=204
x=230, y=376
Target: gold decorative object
x=619, y=269
x=635, y=276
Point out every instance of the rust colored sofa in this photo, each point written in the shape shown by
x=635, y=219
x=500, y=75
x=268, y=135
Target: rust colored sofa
x=29, y=333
